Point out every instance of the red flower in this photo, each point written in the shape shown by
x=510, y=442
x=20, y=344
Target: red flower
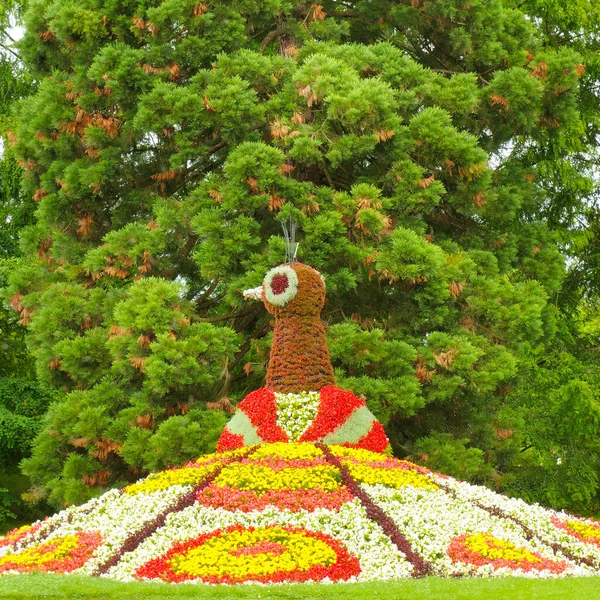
x=230, y=441
x=376, y=440
x=261, y=409
x=235, y=499
x=260, y=548
x=335, y=406
x=278, y=463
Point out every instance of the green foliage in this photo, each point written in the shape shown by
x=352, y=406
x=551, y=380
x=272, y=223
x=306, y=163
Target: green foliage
x=449, y=455
x=22, y=406
x=424, y=151
x=5, y=502
x=560, y=445
x=22, y=403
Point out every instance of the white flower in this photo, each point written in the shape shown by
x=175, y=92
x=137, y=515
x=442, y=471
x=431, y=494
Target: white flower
x=295, y=412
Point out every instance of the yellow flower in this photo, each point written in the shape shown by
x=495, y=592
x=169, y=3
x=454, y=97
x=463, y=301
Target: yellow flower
x=493, y=548
x=586, y=530
x=166, y=479
x=261, y=478
x=358, y=453
x=395, y=478
x=286, y=450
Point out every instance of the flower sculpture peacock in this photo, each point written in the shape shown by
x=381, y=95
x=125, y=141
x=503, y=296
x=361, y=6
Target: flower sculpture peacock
x=302, y=488
x=300, y=402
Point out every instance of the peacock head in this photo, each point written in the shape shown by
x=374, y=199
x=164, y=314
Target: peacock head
x=291, y=290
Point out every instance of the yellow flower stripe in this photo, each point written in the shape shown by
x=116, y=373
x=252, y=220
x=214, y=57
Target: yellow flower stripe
x=493, y=548
x=63, y=546
x=218, y=557
x=166, y=479
x=395, y=478
x=358, y=453
x=286, y=450
x=261, y=478
x=587, y=531
x=221, y=456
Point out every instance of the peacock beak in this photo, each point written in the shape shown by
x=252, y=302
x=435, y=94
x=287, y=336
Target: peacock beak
x=254, y=293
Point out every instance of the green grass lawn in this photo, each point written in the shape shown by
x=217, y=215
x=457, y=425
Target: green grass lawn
x=510, y=588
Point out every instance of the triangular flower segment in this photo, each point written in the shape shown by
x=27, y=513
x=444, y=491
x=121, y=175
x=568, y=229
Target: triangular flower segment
x=302, y=488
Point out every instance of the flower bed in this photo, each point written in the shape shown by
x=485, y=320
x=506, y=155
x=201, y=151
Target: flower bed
x=376, y=555
x=285, y=512
x=14, y=536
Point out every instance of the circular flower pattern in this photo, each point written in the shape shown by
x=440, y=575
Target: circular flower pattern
x=267, y=555
x=280, y=285
x=59, y=555
x=481, y=549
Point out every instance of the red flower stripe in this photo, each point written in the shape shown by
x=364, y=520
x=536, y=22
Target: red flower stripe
x=235, y=499
x=335, y=407
x=343, y=568
x=375, y=513
x=261, y=548
x=376, y=440
x=230, y=441
x=388, y=464
x=261, y=409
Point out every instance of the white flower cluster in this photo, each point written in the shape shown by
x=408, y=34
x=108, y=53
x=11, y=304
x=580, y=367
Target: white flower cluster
x=430, y=519
x=295, y=412
x=379, y=558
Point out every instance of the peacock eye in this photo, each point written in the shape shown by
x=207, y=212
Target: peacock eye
x=280, y=285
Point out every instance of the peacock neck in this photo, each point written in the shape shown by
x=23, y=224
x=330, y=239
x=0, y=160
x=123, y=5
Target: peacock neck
x=299, y=360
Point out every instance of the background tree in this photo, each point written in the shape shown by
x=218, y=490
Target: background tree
x=420, y=146
x=22, y=401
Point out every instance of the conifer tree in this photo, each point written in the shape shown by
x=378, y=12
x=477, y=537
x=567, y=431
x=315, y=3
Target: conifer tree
x=409, y=141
